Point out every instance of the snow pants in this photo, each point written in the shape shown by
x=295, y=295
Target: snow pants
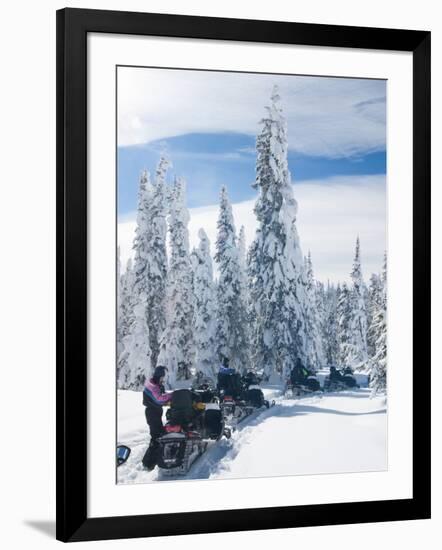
x=155, y=423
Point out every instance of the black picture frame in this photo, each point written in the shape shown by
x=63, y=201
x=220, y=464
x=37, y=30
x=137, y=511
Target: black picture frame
x=73, y=25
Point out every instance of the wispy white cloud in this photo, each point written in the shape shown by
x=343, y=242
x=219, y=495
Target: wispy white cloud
x=333, y=117
x=332, y=213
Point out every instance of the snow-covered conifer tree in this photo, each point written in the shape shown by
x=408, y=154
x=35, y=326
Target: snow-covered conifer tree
x=134, y=328
x=275, y=262
x=314, y=344
x=142, y=234
x=125, y=318
x=136, y=354
x=242, y=254
x=331, y=326
x=204, y=324
x=357, y=357
x=133, y=343
x=231, y=309
x=119, y=287
x=118, y=276
x=245, y=299
x=374, y=299
x=321, y=313
x=150, y=262
x=156, y=259
x=378, y=328
x=344, y=312
x=126, y=300
x=176, y=348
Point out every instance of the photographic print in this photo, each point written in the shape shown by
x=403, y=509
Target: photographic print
x=224, y=235
x=251, y=332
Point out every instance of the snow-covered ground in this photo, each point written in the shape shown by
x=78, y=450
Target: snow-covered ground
x=333, y=433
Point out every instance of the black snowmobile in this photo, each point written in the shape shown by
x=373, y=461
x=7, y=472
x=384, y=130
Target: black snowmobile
x=339, y=380
x=239, y=396
x=205, y=391
x=302, y=382
x=191, y=423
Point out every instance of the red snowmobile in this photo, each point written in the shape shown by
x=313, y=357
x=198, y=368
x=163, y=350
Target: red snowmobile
x=190, y=425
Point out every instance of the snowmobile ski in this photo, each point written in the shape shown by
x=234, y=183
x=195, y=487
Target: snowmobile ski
x=347, y=382
x=236, y=412
x=307, y=386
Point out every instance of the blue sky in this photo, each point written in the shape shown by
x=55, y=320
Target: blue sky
x=206, y=123
x=208, y=161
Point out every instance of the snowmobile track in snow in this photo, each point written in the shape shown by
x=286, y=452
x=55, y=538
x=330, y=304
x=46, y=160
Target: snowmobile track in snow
x=209, y=460
x=221, y=456
x=225, y=450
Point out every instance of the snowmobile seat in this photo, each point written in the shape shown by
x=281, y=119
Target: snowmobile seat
x=172, y=428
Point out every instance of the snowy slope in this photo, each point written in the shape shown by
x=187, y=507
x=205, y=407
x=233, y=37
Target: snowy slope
x=334, y=433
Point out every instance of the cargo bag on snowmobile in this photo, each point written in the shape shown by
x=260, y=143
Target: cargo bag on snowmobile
x=213, y=422
x=255, y=397
x=181, y=410
x=230, y=383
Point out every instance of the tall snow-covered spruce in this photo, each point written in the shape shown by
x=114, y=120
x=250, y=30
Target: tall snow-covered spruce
x=125, y=320
x=330, y=329
x=119, y=281
x=374, y=299
x=125, y=316
x=176, y=348
x=313, y=311
x=156, y=259
x=135, y=359
x=244, y=299
x=136, y=352
x=378, y=331
x=231, y=308
x=142, y=234
x=242, y=254
x=275, y=262
x=204, y=322
x=358, y=357
x=343, y=311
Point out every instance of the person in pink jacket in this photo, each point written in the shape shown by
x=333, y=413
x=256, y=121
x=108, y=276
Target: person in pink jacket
x=154, y=397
